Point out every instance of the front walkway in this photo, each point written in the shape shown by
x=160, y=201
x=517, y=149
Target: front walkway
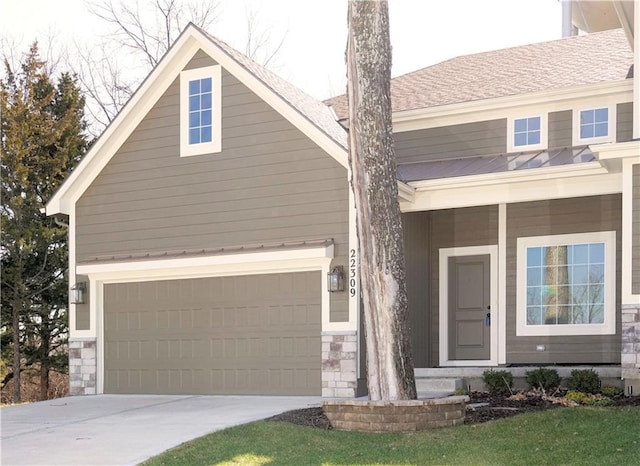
x=124, y=429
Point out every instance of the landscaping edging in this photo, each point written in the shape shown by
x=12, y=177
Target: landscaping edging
x=395, y=416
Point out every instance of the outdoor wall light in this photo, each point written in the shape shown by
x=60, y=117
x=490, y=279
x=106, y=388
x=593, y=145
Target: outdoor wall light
x=77, y=294
x=335, y=279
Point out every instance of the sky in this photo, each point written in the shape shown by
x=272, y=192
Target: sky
x=423, y=32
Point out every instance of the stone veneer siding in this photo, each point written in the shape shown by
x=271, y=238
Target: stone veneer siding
x=339, y=364
x=630, y=357
x=395, y=416
x=82, y=367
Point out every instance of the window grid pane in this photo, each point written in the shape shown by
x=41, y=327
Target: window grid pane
x=565, y=284
x=200, y=111
x=594, y=123
x=526, y=131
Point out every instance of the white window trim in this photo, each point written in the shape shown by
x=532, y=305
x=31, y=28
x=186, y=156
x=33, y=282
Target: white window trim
x=186, y=149
x=544, y=139
x=608, y=327
x=611, y=126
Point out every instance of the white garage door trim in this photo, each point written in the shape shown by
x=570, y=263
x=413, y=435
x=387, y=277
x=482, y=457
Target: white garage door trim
x=255, y=263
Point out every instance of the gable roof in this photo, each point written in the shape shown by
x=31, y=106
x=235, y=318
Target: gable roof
x=568, y=62
x=311, y=117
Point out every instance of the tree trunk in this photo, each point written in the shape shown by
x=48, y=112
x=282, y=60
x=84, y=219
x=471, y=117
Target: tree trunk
x=390, y=374
x=15, y=327
x=44, y=381
x=556, y=281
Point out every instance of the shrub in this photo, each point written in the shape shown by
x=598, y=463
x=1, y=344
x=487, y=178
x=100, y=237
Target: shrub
x=584, y=380
x=579, y=397
x=546, y=379
x=587, y=398
x=611, y=391
x=498, y=382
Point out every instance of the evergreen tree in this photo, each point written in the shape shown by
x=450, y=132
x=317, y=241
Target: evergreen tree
x=42, y=138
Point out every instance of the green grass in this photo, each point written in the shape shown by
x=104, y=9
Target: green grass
x=580, y=436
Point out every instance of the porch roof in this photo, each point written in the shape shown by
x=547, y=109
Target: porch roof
x=494, y=163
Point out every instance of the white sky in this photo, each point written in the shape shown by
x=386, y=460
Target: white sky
x=423, y=32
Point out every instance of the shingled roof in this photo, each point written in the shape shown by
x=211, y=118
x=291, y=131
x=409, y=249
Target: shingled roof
x=564, y=63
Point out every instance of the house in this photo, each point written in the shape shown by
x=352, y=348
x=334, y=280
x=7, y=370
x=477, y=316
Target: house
x=205, y=222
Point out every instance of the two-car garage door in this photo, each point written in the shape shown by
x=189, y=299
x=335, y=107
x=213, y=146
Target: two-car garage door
x=256, y=334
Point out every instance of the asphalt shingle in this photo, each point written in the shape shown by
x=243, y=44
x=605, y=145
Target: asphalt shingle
x=568, y=62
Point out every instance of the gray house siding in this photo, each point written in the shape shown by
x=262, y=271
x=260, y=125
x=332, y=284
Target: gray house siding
x=479, y=138
x=490, y=137
x=635, y=241
x=556, y=217
x=624, y=117
x=416, y=246
x=559, y=132
x=270, y=184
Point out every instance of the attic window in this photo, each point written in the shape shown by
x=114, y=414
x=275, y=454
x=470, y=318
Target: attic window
x=527, y=133
x=200, y=111
x=594, y=125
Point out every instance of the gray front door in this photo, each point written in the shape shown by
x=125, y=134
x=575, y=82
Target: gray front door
x=469, y=307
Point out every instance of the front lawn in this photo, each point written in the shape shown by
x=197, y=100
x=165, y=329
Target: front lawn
x=581, y=436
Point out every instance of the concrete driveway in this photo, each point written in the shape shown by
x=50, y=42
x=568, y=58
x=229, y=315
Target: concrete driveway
x=124, y=429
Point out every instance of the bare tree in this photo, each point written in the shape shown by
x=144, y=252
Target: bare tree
x=141, y=32
x=390, y=372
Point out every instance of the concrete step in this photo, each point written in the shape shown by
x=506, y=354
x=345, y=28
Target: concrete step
x=438, y=384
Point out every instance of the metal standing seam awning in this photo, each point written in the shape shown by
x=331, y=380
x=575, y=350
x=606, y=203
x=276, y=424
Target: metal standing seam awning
x=496, y=163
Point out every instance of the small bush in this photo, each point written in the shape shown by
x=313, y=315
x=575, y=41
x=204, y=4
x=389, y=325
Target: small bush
x=584, y=380
x=587, y=398
x=611, y=391
x=461, y=392
x=578, y=397
x=546, y=379
x=498, y=382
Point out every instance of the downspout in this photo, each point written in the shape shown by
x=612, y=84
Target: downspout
x=568, y=29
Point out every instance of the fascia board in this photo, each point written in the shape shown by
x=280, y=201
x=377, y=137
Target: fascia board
x=565, y=171
x=408, y=119
x=618, y=150
x=120, y=128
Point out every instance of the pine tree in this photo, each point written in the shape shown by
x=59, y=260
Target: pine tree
x=42, y=138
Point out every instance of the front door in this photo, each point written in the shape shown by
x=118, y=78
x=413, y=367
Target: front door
x=469, y=307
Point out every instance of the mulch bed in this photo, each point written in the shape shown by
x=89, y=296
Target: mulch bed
x=482, y=407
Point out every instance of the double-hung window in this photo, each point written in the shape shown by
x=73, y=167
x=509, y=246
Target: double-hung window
x=200, y=111
x=594, y=125
x=527, y=133
x=566, y=284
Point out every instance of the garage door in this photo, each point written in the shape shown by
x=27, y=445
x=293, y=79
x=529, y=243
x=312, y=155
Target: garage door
x=255, y=334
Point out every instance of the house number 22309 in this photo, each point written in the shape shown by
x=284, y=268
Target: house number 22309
x=352, y=272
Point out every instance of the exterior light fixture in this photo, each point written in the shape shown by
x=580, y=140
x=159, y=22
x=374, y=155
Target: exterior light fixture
x=335, y=279
x=78, y=292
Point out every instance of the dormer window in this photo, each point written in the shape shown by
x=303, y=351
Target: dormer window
x=594, y=125
x=200, y=111
x=527, y=133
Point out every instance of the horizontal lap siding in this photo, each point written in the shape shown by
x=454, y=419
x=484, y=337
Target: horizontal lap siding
x=480, y=138
x=416, y=249
x=270, y=184
x=624, y=123
x=635, y=241
x=560, y=124
x=472, y=226
x=557, y=217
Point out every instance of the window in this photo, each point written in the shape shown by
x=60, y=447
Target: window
x=566, y=284
x=527, y=133
x=594, y=125
x=200, y=111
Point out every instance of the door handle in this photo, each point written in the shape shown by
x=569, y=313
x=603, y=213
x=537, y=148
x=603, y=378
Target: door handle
x=487, y=319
